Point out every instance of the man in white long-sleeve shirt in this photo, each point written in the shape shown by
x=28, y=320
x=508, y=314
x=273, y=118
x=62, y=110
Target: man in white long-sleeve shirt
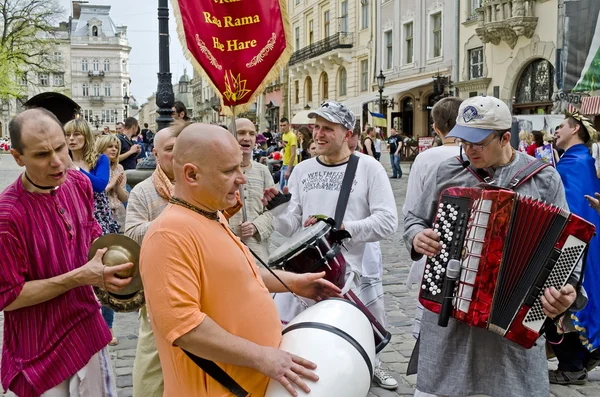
x=315, y=186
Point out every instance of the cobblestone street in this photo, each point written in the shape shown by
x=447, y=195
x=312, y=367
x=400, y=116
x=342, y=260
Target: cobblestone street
x=400, y=306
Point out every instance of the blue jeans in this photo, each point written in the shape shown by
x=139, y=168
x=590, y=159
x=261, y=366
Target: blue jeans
x=282, y=181
x=395, y=161
x=108, y=315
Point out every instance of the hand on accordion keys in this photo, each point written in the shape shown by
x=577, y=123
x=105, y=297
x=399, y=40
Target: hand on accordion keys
x=555, y=302
x=427, y=243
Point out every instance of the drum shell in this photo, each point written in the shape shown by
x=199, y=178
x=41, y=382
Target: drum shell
x=316, y=335
x=303, y=261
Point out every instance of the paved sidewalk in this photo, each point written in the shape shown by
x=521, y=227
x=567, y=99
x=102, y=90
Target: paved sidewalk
x=400, y=307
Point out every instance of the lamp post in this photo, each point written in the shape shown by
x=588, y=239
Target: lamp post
x=307, y=107
x=126, y=103
x=381, y=84
x=96, y=122
x=165, y=98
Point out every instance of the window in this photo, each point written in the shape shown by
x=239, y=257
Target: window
x=44, y=79
x=85, y=89
x=107, y=89
x=475, y=4
x=536, y=83
x=476, y=63
x=58, y=57
x=324, y=86
x=297, y=38
x=364, y=10
x=327, y=19
x=95, y=65
x=95, y=31
x=388, y=49
x=124, y=89
x=308, y=89
x=296, y=92
x=59, y=79
x=344, y=17
x=96, y=89
x=124, y=66
x=23, y=79
x=343, y=77
x=310, y=32
x=84, y=65
x=436, y=24
x=88, y=115
x=107, y=65
x=408, y=43
x=364, y=75
x=297, y=2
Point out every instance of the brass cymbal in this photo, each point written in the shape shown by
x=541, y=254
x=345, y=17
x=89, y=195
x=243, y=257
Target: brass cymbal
x=121, y=249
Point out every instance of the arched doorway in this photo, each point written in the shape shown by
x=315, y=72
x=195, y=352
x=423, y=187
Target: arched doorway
x=407, y=108
x=534, y=90
x=308, y=90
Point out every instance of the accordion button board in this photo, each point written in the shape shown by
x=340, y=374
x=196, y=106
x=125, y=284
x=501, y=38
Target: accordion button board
x=450, y=225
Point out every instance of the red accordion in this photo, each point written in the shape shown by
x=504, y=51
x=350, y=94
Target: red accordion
x=505, y=249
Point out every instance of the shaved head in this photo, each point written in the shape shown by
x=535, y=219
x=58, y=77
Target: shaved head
x=207, y=166
x=201, y=143
x=244, y=124
x=39, y=120
x=161, y=136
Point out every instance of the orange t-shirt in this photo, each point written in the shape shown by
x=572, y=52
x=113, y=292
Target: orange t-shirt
x=193, y=267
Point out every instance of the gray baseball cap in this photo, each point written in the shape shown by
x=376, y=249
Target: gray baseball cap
x=336, y=113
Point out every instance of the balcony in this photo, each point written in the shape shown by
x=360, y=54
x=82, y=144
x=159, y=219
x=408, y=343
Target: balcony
x=505, y=20
x=337, y=40
x=96, y=73
x=97, y=99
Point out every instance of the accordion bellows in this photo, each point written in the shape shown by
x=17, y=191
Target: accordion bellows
x=511, y=249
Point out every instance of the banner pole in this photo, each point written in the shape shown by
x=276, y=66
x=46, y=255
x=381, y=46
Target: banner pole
x=241, y=190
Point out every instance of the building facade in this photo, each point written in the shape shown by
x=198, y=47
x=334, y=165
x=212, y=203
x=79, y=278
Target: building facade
x=508, y=50
x=334, y=43
x=415, y=53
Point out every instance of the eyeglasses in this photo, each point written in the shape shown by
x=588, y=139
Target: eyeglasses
x=477, y=147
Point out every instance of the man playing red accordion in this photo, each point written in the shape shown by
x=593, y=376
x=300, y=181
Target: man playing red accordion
x=460, y=360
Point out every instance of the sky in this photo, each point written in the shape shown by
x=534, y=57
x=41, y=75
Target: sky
x=141, y=19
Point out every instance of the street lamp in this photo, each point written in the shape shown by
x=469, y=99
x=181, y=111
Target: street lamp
x=96, y=122
x=307, y=107
x=126, y=103
x=381, y=83
x=165, y=98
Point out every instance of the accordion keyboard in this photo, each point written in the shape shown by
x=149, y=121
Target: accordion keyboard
x=570, y=255
x=451, y=226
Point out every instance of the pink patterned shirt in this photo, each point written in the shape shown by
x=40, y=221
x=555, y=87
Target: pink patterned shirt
x=43, y=236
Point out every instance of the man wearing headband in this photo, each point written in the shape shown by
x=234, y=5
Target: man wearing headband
x=577, y=351
x=460, y=360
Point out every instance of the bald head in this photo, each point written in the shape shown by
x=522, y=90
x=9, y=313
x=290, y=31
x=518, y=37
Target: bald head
x=244, y=124
x=207, y=166
x=201, y=143
x=162, y=136
x=38, y=120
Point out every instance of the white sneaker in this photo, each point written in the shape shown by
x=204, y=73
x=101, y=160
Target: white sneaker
x=384, y=380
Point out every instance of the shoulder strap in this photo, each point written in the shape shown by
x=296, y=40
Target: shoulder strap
x=340, y=208
x=525, y=173
x=219, y=375
x=476, y=174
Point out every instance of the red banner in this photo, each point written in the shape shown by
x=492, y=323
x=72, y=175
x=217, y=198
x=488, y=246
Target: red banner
x=239, y=44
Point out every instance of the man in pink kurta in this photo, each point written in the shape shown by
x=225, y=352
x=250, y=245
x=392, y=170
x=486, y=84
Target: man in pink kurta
x=53, y=326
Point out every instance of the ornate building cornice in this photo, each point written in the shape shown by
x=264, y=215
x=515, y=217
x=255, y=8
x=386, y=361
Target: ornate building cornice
x=506, y=20
x=473, y=85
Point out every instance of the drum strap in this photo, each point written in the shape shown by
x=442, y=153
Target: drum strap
x=219, y=375
x=342, y=203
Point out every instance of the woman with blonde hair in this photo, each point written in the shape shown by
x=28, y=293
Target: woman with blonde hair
x=524, y=140
x=110, y=146
x=97, y=168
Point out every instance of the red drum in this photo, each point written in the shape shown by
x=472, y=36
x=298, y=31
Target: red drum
x=315, y=249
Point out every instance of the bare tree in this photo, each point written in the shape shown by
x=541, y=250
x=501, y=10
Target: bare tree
x=29, y=34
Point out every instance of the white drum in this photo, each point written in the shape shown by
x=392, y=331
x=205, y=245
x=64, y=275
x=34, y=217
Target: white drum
x=337, y=336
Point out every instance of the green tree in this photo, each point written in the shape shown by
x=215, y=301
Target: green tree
x=29, y=34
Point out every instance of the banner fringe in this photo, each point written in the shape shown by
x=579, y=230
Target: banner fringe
x=271, y=76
